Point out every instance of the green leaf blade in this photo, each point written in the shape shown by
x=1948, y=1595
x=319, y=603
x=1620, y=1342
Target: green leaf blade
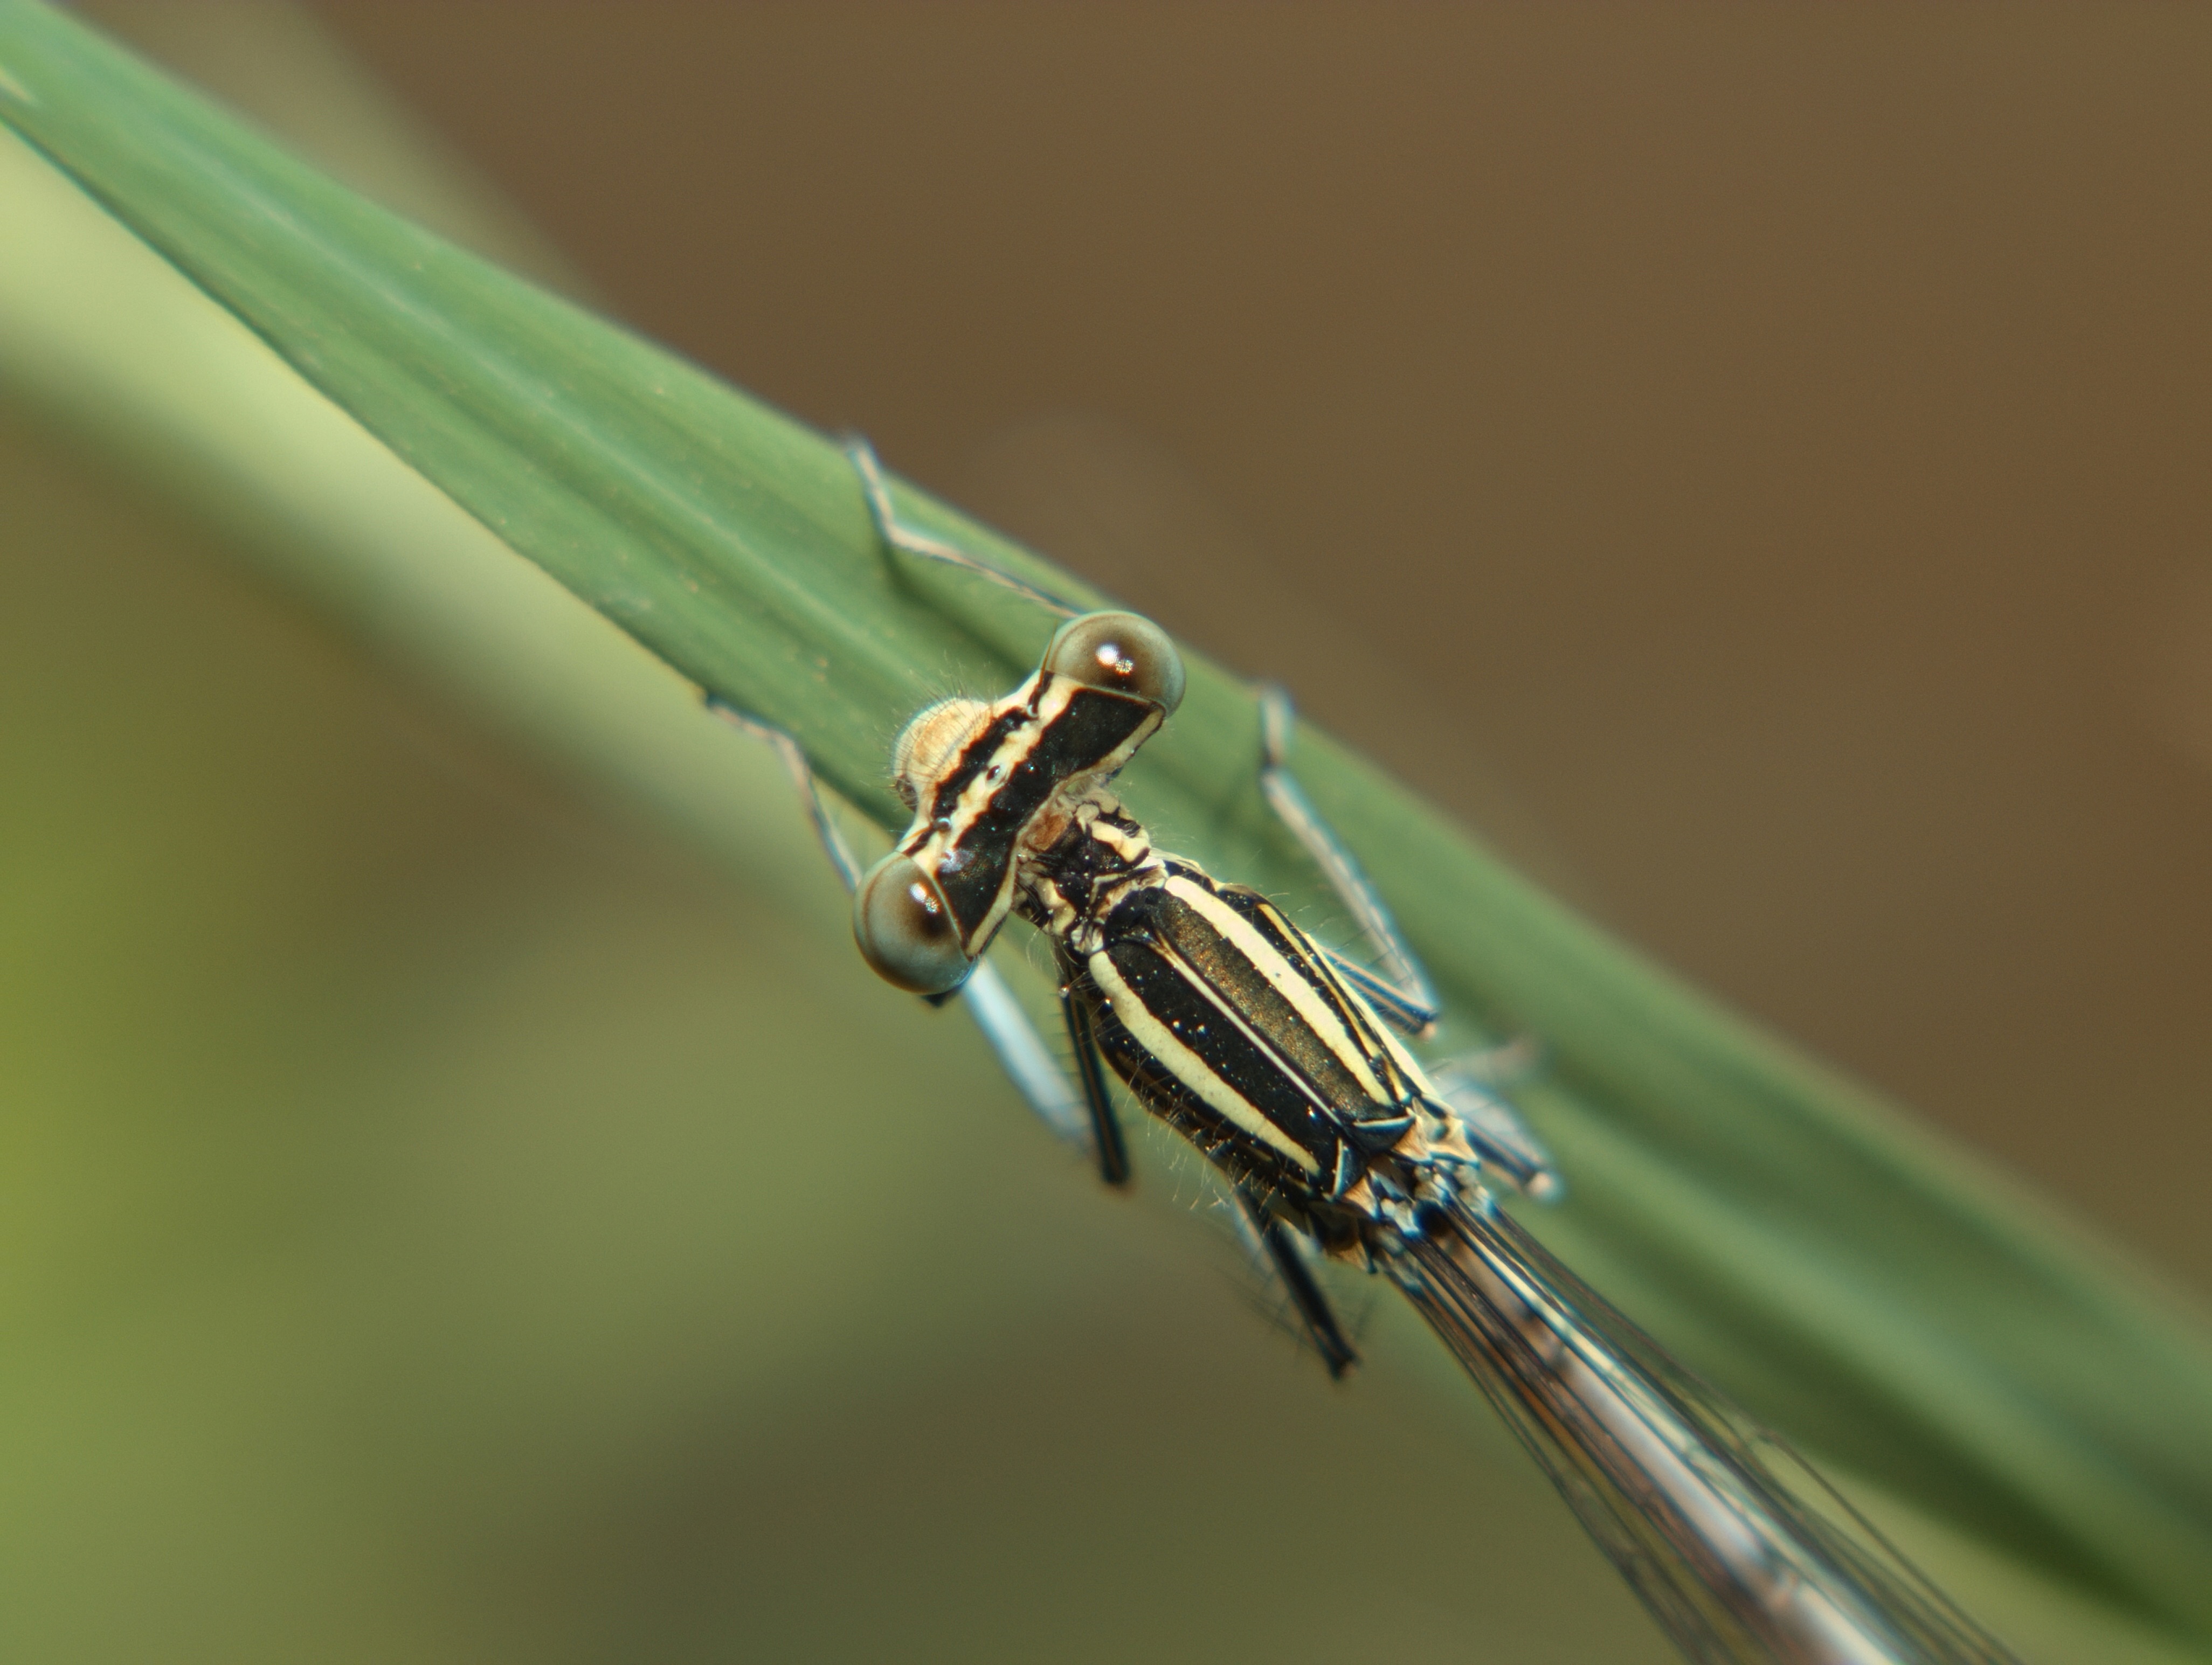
x=1872, y=1291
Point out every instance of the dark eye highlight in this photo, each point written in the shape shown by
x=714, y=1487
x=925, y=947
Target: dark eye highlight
x=1119, y=652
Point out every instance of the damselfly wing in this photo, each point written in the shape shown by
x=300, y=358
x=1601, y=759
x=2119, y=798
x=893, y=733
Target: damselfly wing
x=1738, y=1548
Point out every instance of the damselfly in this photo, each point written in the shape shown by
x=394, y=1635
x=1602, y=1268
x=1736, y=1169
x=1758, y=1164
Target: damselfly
x=1276, y=1058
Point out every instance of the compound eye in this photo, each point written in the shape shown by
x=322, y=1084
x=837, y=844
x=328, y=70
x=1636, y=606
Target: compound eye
x=905, y=930
x=1120, y=652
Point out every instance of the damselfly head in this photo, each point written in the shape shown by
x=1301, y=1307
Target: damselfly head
x=989, y=780
x=905, y=930
x=931, y=740
x=1120, y=653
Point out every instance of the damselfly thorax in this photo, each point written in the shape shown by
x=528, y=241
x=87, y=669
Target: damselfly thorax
x=1227, y=1022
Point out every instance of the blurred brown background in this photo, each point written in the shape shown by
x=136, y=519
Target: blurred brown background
x=1745, y=461
x=1752, y=460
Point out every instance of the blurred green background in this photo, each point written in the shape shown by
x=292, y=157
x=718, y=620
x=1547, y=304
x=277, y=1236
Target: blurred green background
x=447, y=1216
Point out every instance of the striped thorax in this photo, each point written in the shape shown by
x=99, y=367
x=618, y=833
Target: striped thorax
x=1227, y=1022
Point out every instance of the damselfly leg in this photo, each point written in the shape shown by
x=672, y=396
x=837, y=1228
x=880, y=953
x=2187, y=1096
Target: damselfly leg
x=1105, y=1122
x=1283, y=1254
x=1021, y=1051
x=793, y=756
x=1404, y=997
x=911, y=540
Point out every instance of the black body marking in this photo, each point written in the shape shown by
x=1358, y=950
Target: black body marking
x=1094, y=730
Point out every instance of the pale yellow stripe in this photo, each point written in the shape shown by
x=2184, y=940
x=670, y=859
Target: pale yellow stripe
x=1156, y=1038
x=1135, y=850
x=978, y=793
x=1288, y=981
x=1213, y=997
x=977, y=797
